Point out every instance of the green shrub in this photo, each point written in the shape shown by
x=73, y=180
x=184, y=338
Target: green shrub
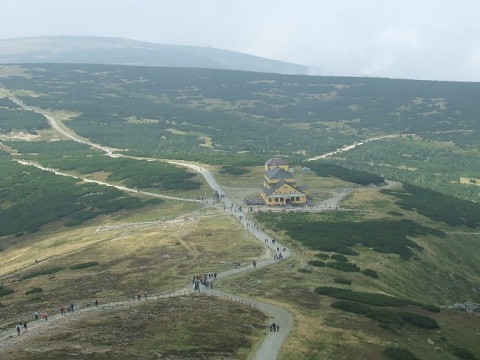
x=352, y=307
x=386, y=317
x=304, y=270
x=5, y=291
x=431, y=308
x=34, y=290
x=462, y=353
x=322, y=256
x=421, y=321
x=399, y=354
x=395, y=213
x=366, y=298
x=339, y=257
x=317, y=263
x=343, y=266
x=371, y=273
x=83, y=265
x=342, y=281
x=43, y=272
x=233, y=170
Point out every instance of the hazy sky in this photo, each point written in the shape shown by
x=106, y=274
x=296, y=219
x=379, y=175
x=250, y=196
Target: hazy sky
x=413, y=39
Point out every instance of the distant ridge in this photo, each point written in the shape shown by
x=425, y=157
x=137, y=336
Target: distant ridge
x=116, y=50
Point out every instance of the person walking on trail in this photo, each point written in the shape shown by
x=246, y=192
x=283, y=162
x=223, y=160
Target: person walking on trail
x=96, y=302
x=18, y=329
x=145, y=296
x=25, y=325
x=36, y=315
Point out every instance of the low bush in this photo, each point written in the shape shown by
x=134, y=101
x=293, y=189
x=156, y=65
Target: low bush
x=371, y=273
x=385, y=316
x=43, y=272
x=363, y=297
x=233, y=170
x=317, y=263
x=83, y=265
x=395, y=213
x=343, y=266
x=322, y=256
x=304, y=270
x=421, y=321
x=342, y=281
x=462, y=353
x=339, y=257
x=352, y=307
x=5, y=291
x=34, y=290
x=399, y=354
x=431, y=308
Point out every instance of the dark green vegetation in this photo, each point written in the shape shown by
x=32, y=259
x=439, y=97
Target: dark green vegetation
x=222, y=117
x=462, y=353
x=364, y=297
x=42, y=272
x=83, y=265
x=371, y=273
x=317, y=263
x=34, y=291
x=27, y=201
x=328, y=169
x=70, y=156
x=399, y=354
x=339, y=232
x=342, y=281
x=234, y=170
x=437, y=165
x=20, y=120
x=385, y=316
x=448, y=209
x=5, y=291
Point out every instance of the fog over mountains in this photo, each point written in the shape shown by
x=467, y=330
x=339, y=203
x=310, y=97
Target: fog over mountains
x=113, y=50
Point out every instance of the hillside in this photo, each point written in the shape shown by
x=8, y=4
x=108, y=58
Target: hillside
x=108, y=176
x=103, y=50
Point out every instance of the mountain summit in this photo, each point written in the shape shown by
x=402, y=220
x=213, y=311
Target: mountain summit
x=121, y=51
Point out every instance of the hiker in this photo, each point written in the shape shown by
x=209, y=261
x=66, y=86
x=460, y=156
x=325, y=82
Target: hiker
x=24, y=326
x=36, y=315
x=278, y=328
x=45, y=315
x=96, y=302
x=274, y=327
x=211, y=284
x=62, y=310
x=145, y=296
x=18, y=329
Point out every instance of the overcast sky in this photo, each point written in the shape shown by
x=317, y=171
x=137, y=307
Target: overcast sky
x=412, y=39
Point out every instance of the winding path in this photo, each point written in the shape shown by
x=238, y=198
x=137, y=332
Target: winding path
x=273, y=342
